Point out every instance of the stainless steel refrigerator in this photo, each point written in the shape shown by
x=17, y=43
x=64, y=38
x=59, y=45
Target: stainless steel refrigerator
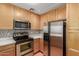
x=57, y=38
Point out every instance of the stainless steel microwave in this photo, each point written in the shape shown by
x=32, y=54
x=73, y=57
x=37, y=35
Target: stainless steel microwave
x=22, y=25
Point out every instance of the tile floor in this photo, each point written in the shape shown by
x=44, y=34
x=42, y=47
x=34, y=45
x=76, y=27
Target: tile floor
x=39, y=54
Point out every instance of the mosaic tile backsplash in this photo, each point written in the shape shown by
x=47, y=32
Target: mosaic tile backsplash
x=6, y=33
x=9, y=33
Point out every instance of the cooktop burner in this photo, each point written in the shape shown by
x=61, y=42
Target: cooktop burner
x=21, y=40
x=21, y=37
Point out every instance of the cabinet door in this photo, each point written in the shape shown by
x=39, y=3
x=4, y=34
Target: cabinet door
x=6, y=16
x=41, y=45
x=7, y=50
x=34, y=19
x=73, y=16
x=61, y=13
x=73, y=42
x=52, y=15
x=18, y=13
x=36, y=45
x=72, y=29
x=43, y=21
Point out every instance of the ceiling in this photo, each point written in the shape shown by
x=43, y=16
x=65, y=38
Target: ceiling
x=39, y=8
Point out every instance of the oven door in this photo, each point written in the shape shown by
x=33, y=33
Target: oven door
x=24, y=48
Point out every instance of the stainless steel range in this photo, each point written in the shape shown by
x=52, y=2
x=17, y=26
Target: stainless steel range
x=24, y=44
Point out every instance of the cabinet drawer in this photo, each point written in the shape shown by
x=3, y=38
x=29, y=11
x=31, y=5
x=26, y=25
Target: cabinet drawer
x=6, y=47
x=9, y=52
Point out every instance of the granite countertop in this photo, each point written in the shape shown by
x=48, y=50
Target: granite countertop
x=35, y=36
x=6, y=41
x=10, y=40
x=58, y=35
x=40, y=35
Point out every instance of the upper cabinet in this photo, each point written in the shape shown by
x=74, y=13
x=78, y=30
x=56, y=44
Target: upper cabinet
x=25, y=15
x=45, y=18
x=73, y=16
x=9, y=12
x=51, y=15
x=34, y=19
x=6, y=16
x=56, y=14
x=20, y=13
x=61, y=13
x=43, y=21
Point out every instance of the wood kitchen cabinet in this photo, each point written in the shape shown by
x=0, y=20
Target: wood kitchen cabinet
x=49, y=16
x=25, y=15
x=43, y=21
x=72, y=29
x=46, y=17
x=6, y=16
x=41, y=45
x=7, y=50
x=38, y=45
x=56, y=14
x=73, y=16
x=34, y=19
x=52, y=15
x=20, y=14
x=61, y=13
x=9, y=12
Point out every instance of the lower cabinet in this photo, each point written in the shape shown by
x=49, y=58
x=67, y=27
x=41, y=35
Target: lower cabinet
x=41, y=45
x=38, y=45
x=7, y=50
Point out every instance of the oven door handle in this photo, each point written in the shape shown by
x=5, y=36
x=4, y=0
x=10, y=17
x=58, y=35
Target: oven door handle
x=25, y=43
